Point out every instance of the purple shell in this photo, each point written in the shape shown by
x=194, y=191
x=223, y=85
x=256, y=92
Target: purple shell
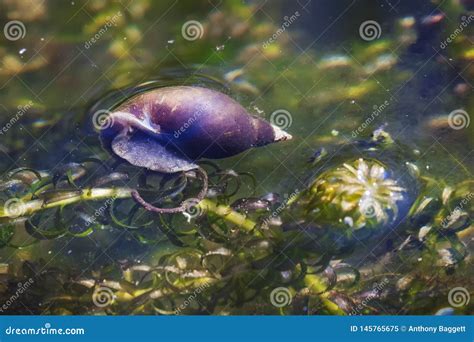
x=168, y=129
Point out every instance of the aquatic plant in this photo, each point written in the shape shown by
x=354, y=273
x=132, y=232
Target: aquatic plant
x=218, y=244
x=360, y=194
x=91, y=248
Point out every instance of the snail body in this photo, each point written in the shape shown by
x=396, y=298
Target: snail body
x=168, y=129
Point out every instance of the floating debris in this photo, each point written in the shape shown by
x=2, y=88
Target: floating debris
x=335, y=62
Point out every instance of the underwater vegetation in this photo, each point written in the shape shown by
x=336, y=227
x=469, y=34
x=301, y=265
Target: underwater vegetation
x=184, y=158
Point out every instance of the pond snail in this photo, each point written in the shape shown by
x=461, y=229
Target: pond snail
x=168, y=129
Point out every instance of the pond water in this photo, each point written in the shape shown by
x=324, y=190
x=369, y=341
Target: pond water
x=377, y=96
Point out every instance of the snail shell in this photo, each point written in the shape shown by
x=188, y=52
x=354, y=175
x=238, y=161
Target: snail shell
x=168, y=129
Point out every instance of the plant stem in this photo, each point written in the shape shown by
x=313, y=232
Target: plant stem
x=30, y=207
x=27, y=208
x=314, y=283
x=228, y=214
